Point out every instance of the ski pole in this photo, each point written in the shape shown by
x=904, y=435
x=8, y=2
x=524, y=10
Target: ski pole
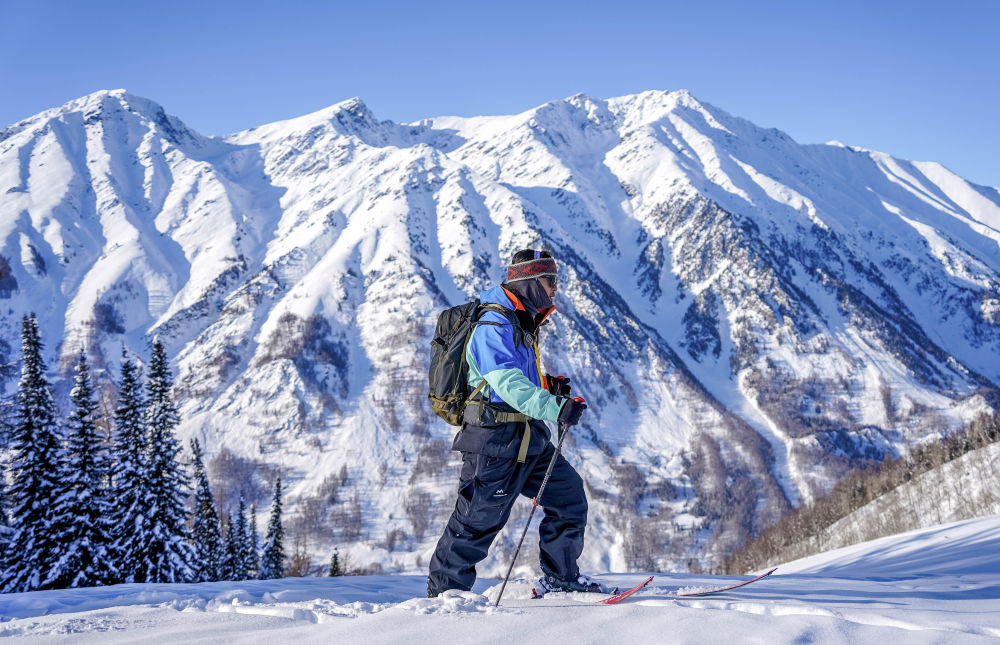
x=563, y=429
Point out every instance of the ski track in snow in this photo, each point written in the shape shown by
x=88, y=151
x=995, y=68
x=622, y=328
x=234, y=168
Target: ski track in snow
x=929, y=586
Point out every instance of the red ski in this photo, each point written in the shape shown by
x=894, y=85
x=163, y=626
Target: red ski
x=625, y=594
x=707, y=592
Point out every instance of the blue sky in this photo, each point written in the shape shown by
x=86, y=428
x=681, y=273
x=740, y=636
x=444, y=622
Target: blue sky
x=917, y=80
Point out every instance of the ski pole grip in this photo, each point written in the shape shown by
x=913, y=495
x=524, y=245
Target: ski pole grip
x=563, y=431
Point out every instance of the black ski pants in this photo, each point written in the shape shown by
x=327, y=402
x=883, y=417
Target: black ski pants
x=488, y=488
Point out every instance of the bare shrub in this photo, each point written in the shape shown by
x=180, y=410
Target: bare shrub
x=727, y=494
x=418, y=510
x=300, y=562
x=223, y=362
x=402, y=386
x=310, y=520
x=393, y=538
x=346, y=519
x=631, y=485
x=645, y=543
x=329, y=488
x=231, y=474
x=432, y=459
x=370, y=569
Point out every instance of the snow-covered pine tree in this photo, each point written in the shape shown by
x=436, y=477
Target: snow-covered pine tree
x=208, y=548
x=36, y=465
x=230, y=559
x=130, y=485
x=254, y=548
x=272, y=560
x=5, y=528
x=336, y=569
x=168, y=555
x=83, y=513
x=242, y=546
x=237, y=559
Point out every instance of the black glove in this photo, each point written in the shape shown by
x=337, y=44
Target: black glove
x=558, y=385
x=571, y=410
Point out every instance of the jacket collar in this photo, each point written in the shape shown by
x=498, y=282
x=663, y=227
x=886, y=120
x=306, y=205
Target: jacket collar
x=514, y=299
x=518, y=306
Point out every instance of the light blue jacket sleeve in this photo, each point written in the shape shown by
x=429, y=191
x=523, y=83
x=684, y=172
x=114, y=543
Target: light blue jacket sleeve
x=510, y=372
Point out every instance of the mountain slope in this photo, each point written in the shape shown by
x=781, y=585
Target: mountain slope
x=955, y=491
x=749, y=317
x=930, y=586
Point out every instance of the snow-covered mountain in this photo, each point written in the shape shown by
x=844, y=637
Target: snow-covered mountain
x=748, y=316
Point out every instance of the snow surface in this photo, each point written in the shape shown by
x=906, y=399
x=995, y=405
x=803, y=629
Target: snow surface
x=929, y=586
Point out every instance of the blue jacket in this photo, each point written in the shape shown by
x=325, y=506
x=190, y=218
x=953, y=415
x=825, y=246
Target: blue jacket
x=511, y=373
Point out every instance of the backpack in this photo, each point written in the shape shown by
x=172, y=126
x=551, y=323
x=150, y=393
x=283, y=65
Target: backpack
x=449, y=372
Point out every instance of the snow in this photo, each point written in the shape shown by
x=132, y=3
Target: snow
x=928, y=586
x=966, y=548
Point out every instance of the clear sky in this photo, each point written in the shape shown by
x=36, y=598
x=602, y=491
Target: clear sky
x=919, y=80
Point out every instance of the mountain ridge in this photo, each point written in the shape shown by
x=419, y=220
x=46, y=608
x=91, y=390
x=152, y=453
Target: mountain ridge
x=750, y=317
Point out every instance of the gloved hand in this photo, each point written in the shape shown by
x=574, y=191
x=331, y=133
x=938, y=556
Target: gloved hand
x=571, y=410
x=558, y=385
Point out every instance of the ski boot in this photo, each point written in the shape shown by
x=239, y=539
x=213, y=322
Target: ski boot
x=581, y=583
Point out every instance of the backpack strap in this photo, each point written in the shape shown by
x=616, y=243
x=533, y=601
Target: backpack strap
x=511, y=318
x=509, y=314
x=476, y=391
x=507, y=417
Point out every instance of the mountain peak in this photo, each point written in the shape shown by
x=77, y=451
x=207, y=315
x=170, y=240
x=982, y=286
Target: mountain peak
x=354, y=105
x=104, y=104
x=653, y=105
x=113, y=99
x=582, y=99
x=350, y=117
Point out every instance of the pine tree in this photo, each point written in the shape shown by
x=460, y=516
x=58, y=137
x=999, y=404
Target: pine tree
x=168, y=555
x=230, y=560
x=5, y=528
x=336, y=568
x=242, y=546
x=238, y=560
x=36, y=465
x=254, y=548
x=208, y=548
x=83, y=513
x=128, y=475
x=273, y=558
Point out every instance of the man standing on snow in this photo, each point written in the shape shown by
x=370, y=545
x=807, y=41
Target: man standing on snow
x=505, y=444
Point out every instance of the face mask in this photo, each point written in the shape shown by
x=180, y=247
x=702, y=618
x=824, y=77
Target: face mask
x=531, y=294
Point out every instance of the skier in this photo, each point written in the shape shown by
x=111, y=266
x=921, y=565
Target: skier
x=505, y=443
